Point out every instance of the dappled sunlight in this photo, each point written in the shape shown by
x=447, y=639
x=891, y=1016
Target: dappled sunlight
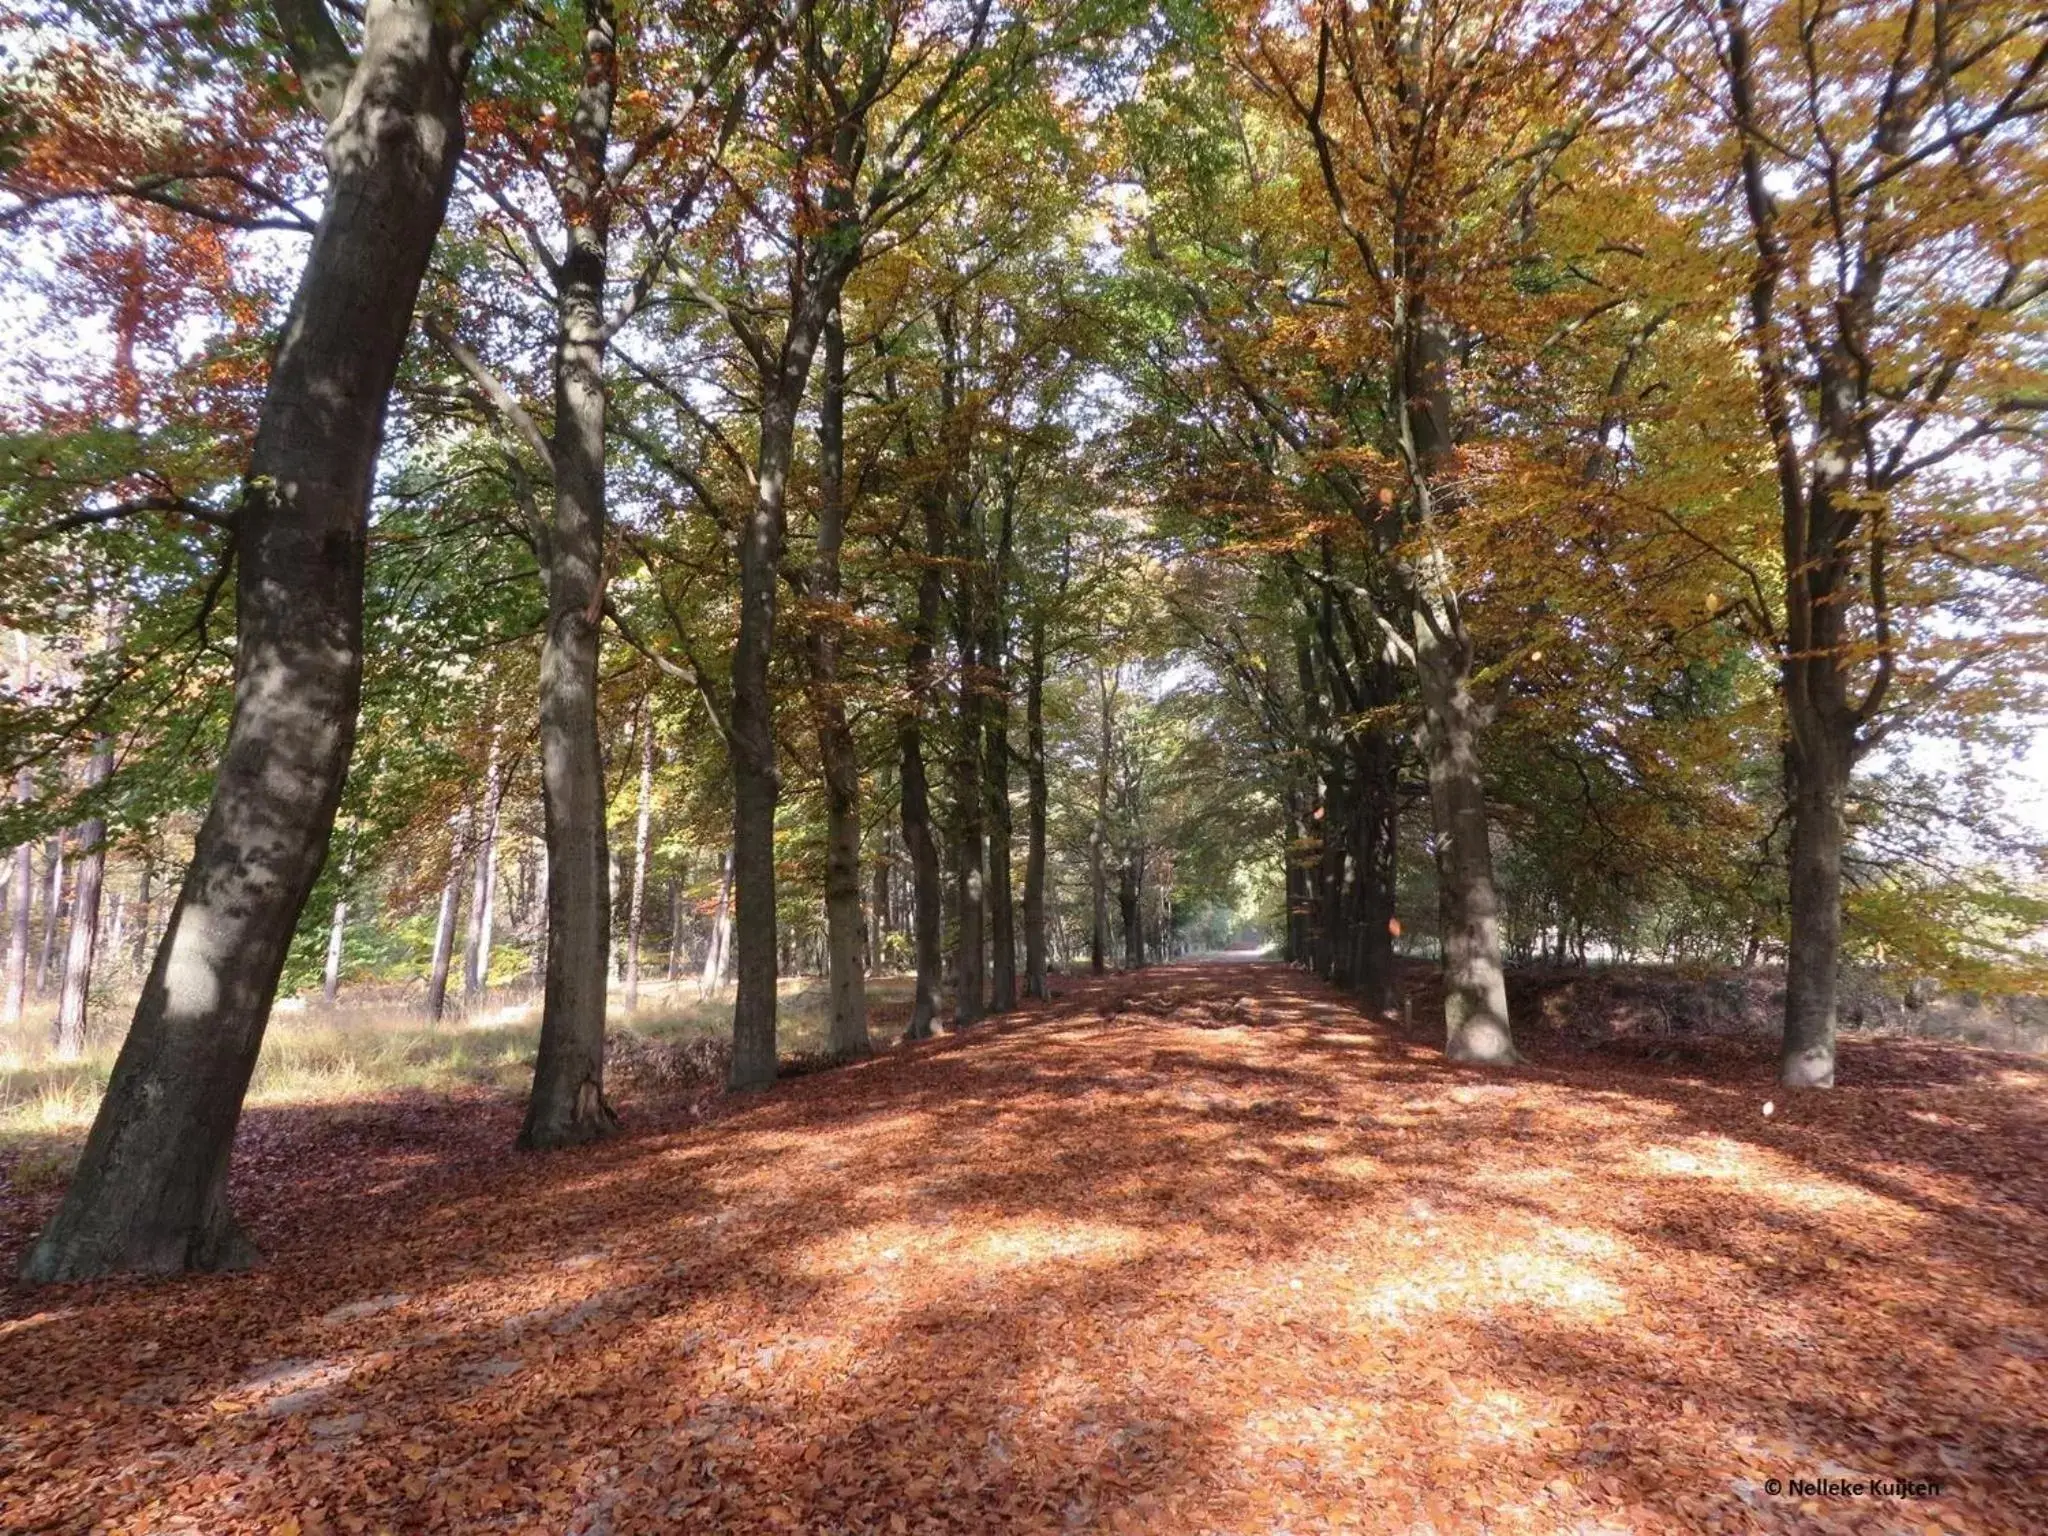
x=1087, y=1269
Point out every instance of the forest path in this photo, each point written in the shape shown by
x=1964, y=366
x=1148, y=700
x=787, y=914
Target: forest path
x=1199, y=1250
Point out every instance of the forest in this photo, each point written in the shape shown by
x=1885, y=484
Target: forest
x=885, y=765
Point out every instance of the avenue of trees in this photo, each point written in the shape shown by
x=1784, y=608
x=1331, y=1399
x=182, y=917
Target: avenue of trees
x=578, y=497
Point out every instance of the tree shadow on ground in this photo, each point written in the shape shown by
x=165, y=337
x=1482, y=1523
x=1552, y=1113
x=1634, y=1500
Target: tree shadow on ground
x=1200, y=1249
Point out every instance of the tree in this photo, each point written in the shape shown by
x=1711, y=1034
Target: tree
x=150, y=1191
x=1890, y=167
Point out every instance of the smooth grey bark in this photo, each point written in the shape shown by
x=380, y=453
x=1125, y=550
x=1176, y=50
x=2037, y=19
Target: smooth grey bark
x=995, y=646
x=1819, y=794
x=675, y=928
x=642, y=826
x=846, y=983
x=337, y=932
x=444, y=934
x=1098, y=834
x=53, y=913
x=1127, y=894
x=757, y=783
x=927, y=895
x=1475, y=986
x=16, y=1001
x=143, y=915
x=150, y=1192
x=85, y=913
x=1036, y=802
x=1476, y=1026
x=567, y=1104
x=476, y=950
x=721, y=934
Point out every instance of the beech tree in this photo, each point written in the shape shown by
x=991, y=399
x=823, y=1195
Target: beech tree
x=150, y=1191
x=1890, y=164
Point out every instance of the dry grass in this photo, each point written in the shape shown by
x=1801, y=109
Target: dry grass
x=353, y=1053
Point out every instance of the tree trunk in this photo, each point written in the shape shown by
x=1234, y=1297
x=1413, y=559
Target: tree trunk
x=675, y=928
x=927, y=896
x=476, y=954
x=18, y=926
x=721, y=933
x=1127, y=910
x=85, y=914
x=756, y=781
x=642, y=825
x=337, y=931
x=1820, y=785
x=846, y=980
x=1002, y=921
x=150, y=1191
x=1035, y=813
x=143, y=916
x=53, y=915
x=567, y=1104
x=1475, y=987
x=444, y=931
x=1098, y=835
x=968, y=805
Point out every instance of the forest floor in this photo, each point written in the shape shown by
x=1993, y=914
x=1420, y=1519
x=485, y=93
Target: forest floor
x=1199, y=1250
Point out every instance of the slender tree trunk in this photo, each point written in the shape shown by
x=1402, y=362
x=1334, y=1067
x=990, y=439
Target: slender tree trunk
x=16, y=1002
x=567, y=1104
x=1127, y=910
x=85, y=914
x=721, y=934
x=143, y=914
x=150, y=1191
x=968, y=805
x=839, y=757
x=476, y=953
x=117, y=929
x=1035, y=813
x=927, y=895
x=1002, y=921
x=879, y=901
x=444, y=930
x=1098, y=836
x=53, y=914
x=675, y=928
x=642, y=825
x=337, y=931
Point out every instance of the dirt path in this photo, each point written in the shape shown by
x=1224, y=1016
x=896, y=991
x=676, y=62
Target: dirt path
x=1203, y=1251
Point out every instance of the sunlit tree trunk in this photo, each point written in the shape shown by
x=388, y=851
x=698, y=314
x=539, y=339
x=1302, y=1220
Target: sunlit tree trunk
x=567, y=1104
x=337, y=933
x=476, y=952
x=675, y=929
x=642, y=825
x=720, y=940
x=16, y=1001
x=85, y=914
x=1098, y=834
x=53, y=913
x=150, y=1191
x=444, y=930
